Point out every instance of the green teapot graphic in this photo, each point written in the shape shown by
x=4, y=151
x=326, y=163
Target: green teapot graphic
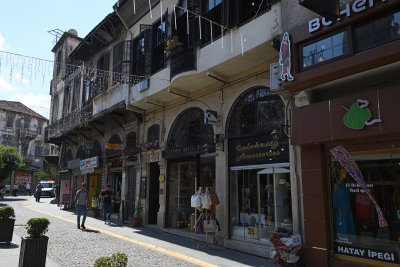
x=359, y=115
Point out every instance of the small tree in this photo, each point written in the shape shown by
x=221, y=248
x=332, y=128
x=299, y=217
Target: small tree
x=10, y=161
x=42, y=175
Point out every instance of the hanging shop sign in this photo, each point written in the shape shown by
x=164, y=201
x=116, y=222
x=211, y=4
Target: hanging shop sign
x=88, y=163
x=114, y=146
x=285, y=58
x=87, y=145
x=366, y=253
x=258, y=149
x=115, y=163
x=85, y=171
x=357, y=6
x=210, y=117
x=359, y=115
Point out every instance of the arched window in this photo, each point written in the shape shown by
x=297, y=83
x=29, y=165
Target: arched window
x=131, y=147
x=256, y=111
x=80, y=154
x=153, y=135
x=96, y=151
x=189, y=132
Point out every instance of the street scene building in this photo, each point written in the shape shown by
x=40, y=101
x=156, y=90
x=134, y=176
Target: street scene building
x=23, y=128
x=267, y=128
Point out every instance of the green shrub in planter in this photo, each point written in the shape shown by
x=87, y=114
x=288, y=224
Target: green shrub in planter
x=7, y=212
x=7, y=220
x=116, y=260
x=37, y=227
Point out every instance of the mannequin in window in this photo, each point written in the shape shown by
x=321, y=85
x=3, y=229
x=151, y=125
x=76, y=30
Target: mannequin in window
x=343, y=216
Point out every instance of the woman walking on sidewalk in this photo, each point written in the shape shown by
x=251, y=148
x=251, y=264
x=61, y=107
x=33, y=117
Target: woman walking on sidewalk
x=81, y=199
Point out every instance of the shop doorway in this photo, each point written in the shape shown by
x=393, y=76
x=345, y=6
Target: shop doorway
x=154, y=193
x=131, y=191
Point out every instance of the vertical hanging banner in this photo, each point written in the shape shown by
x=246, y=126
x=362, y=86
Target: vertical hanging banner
x=285, y=58
x=351, y=167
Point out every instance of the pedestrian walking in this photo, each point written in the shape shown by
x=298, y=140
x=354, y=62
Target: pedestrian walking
x=8, y=188
x=38, y=192
x=81, y=198
x=28, y=188
x=15, y=190
x=106, y=196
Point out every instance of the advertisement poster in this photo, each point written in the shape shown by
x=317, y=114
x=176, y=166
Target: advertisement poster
x=21, y=178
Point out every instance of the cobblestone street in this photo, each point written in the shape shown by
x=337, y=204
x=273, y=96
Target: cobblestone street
x=69, y=246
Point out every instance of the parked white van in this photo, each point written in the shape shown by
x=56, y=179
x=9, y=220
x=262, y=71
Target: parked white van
x=49, y=188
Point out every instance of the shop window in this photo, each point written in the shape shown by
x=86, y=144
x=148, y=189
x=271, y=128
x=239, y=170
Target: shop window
x=377, y=32
x=325, y=50
x=257, y=111
x=355, y=223
x=260, y=203
x=182, y=185
x=153, y=135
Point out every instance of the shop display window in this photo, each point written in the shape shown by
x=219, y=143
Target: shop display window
x=185, y=177
x=260, y=202
x=356, y=227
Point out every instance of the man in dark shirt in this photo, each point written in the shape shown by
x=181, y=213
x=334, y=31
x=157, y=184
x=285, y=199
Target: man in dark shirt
x=106, y=196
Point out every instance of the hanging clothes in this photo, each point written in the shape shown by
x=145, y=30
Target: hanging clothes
x=343, y=217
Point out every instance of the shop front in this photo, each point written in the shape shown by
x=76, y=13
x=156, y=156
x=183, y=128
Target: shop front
x=346, y=125
x=260, y=197
x=190, y=165
x=355, y=215
x=115, y=168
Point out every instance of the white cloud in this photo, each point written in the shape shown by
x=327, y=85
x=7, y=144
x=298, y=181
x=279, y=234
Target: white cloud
x=5, y=86
x=33, y=100
x=2, y=42
x=18, y=76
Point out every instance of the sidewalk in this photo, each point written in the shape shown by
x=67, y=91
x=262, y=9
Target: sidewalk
x=153, y=236
x=9, y=254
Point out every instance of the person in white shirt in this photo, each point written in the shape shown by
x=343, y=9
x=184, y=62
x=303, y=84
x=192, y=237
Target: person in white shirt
x=28, y=188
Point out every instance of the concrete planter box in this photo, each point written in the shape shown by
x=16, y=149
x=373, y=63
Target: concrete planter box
x=33, y=251
x=6, y=230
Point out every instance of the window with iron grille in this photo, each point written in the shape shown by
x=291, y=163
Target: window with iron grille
x=102, y=75
x=190, y=132
x=257, y=111
x=66, y=100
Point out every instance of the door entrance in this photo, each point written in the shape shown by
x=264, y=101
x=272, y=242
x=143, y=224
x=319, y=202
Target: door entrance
x=154, y=192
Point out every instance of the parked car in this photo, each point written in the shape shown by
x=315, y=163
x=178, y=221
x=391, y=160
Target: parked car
x=49, y=188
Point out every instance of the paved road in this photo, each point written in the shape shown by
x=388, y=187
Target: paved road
x=144, y=246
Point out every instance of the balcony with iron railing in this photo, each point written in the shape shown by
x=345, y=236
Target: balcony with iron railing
x=28, y=133
x=70, y=121
x=182, y=62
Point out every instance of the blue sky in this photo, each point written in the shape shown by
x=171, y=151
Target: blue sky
x=23, y=30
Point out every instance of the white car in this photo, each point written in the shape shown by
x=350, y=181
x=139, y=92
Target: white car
x=49, y=188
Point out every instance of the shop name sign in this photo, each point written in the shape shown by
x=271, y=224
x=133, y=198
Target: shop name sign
x=357, y=6
x=260, y=149
x=88, y=163
x=366, y=253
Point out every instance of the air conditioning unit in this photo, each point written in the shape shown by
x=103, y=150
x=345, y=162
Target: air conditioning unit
x=274, y=76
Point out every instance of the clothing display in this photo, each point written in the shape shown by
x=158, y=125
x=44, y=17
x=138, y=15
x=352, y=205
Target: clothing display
x=343, y=217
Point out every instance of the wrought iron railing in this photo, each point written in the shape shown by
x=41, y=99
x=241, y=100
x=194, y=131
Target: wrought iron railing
x=70, y=121
x=182, y=62
x=28, y=133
